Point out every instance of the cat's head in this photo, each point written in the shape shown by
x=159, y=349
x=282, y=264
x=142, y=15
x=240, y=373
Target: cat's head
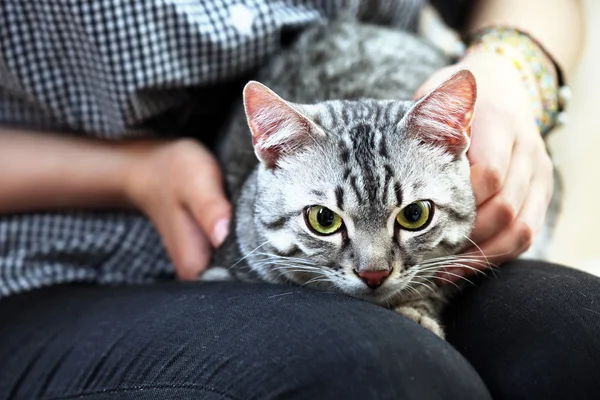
x=364, y=196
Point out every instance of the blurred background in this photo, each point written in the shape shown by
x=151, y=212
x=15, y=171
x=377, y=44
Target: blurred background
x=576, y=150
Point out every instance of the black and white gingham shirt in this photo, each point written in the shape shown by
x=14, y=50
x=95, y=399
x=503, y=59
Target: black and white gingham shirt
x=105, y=68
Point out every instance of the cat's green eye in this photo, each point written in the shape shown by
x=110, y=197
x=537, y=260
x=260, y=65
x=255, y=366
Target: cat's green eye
x=415, y=216
x=322, y=220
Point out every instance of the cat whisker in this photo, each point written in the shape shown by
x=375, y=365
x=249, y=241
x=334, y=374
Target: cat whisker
x=269, y=257
x=429, y=281
x=469, y=254
x=486, y=256
x=470, y=257
x=388, y=304
x=289, y=267
x=458, y=264
x=415, y=290
x=249, y=254
x=428, y=277
x=266, y=261
x=292, y=270
x=482, y=253
x=445, y=270
x=473, y=260
x=295, y=268
x=316, y=280
x=458, y=260
x=282, y=262
x=286, y=269
x=447, y=265
x=410, y=288
x=443, y=267
x=424, y=284
x=455, y=275
x=277, y=256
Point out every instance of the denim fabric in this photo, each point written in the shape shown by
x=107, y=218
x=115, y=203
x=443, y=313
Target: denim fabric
x=220, y=341
x=530, y=332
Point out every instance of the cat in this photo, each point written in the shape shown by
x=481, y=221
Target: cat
x=343, y=183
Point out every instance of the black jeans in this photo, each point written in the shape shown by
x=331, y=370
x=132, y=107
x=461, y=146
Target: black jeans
x=531, y=333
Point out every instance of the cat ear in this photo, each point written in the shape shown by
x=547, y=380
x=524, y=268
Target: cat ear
x=277, y=127
x=443, y=117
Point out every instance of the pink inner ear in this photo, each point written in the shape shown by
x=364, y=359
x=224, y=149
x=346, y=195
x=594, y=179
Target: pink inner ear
x=261, y=106
x=445, y=114
x=276, y=126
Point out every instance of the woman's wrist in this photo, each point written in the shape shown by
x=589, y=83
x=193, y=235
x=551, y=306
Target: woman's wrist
x=148, y=162
x=136, y=179
x=539, y=73
x=497, y=76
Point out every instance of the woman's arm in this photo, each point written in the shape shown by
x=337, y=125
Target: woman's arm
x=556, y=24
x=40, y=172
x=511, y=171
x=178, y=184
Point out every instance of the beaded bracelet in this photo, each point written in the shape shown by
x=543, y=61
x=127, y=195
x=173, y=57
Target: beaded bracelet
x=535, y=65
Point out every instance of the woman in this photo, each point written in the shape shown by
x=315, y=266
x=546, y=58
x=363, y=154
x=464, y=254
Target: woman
x=108, y=70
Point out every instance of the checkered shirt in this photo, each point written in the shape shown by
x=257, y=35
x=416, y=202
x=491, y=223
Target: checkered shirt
x=104, y=68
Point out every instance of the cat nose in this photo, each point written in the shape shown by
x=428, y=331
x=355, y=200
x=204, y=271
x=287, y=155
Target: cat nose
x=373, y=279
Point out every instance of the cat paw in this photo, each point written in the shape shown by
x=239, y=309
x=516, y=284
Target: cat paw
x=423, y=319
x=216, y=274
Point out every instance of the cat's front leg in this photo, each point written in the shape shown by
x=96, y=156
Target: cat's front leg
x=423, y=313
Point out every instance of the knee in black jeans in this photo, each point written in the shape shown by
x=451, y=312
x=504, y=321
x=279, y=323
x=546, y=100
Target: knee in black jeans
x=220, y=341
x=531, y=331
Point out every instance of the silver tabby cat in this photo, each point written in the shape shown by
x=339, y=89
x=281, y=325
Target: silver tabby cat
x=345, y=184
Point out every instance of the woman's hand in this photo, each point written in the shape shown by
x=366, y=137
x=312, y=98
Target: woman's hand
x=511, y=171
x=179, y=186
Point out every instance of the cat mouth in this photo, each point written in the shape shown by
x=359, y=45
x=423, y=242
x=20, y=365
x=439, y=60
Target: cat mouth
x=392, y=288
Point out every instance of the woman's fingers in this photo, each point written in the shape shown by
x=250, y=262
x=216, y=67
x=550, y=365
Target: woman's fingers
x=486, y=181
x=180, y=187
x=491, y=151
x=492, y=217
x=206, y=200
x=497, y=213
x=512, y=241
x=503, y=247
x=534, y=209
x=188, y=246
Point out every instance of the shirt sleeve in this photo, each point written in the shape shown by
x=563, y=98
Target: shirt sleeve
x=104, y=67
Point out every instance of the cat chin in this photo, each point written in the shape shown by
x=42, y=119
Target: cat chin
x=389, y=294
x=383, y=296
x=380, y=296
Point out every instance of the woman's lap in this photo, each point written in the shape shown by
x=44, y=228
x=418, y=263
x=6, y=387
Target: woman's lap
x=530, y=333
x=220, y=341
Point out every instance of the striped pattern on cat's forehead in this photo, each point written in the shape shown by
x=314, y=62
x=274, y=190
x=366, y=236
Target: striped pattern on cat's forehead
x=337, y=115
x=361, y=130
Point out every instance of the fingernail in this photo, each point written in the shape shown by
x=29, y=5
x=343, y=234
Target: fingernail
x=220, y=231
